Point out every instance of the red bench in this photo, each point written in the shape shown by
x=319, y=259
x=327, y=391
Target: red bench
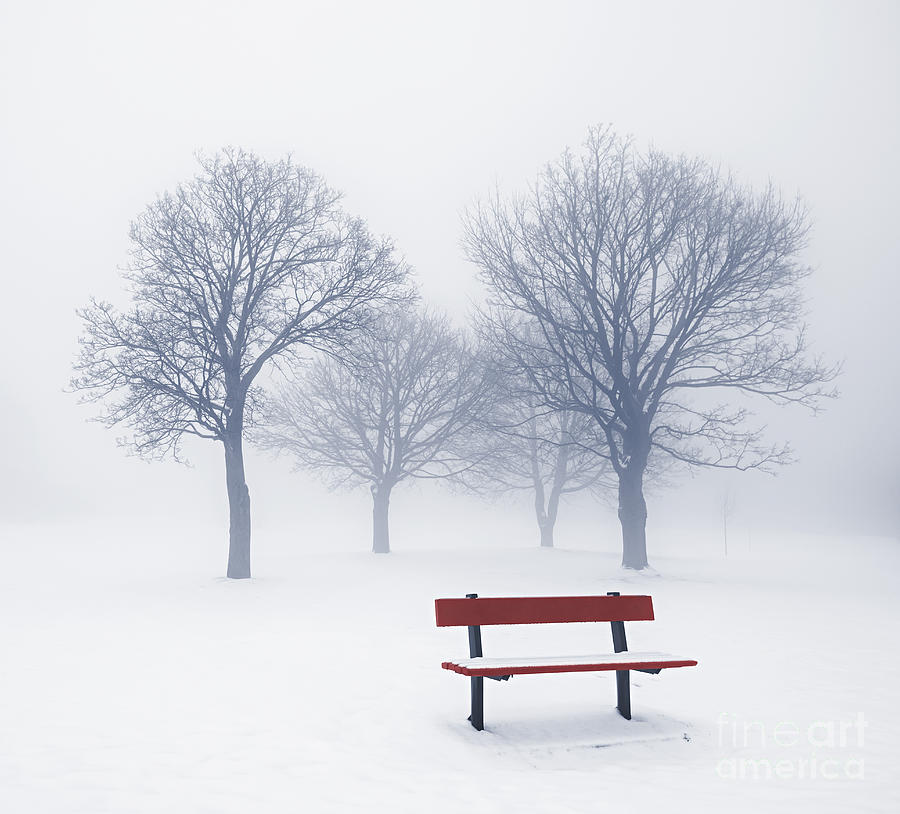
x=473, y=612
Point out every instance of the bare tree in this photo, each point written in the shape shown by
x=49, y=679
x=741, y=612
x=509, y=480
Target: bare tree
x=528, y=446
x=651, y=284
x=391, y=409
x=248, y=262
x=550, y=453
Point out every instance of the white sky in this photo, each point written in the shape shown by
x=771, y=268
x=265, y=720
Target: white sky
x=413, y=110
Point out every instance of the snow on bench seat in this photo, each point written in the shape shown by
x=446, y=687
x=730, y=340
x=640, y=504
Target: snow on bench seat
x=566, y=664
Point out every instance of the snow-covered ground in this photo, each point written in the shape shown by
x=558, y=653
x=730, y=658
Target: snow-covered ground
x=134, y=680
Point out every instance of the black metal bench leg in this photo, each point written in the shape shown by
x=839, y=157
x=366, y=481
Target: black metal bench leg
x=477, y=716
x=623, y=694
x=623, y=682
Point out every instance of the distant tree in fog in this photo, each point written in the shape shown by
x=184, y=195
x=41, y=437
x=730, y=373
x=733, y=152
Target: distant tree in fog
x=526, y=446
x=247, y=263
x=651, y=283
x=397, y=405
x=547, y=452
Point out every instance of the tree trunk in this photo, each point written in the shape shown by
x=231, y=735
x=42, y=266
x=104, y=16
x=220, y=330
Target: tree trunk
x=547, y=519
x=238, y=506
x=633, y=517
x=381, y=499
x=545, y=524
x=546, y=534
x=546, y=515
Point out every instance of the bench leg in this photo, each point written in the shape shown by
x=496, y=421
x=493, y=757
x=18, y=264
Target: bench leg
x=477, y=716
x=623, y=694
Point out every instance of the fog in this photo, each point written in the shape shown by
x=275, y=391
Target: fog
x=414, y=111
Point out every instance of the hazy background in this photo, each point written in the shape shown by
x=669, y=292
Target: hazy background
x=413, y=110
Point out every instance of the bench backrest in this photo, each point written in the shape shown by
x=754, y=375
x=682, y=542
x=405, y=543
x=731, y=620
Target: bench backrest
x=533, y=610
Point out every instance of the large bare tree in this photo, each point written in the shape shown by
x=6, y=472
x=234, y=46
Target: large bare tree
x=246, y=263
x=651, y=284
x=393, y=408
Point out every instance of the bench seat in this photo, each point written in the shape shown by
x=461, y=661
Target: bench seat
x=494, y=667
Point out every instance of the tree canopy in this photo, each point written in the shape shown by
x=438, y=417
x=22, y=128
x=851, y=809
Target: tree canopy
x=247, y=263
x=650, y=283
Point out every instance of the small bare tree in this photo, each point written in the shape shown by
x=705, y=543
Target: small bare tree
x=392, y=408
x=550, y=453
x=526, y=445
x=651, y=281
x=248, y=262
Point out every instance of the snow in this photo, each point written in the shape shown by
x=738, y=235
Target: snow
x=134, y=680
x=598, y=660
